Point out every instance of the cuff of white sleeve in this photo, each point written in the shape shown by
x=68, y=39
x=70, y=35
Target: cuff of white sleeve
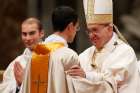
x=93, y=76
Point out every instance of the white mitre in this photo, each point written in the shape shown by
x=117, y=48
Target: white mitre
x=98, y=11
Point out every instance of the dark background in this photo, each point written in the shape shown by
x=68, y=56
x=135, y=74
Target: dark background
x=13, y=12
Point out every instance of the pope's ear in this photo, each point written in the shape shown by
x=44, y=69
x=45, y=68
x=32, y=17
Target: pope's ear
x=110, y=27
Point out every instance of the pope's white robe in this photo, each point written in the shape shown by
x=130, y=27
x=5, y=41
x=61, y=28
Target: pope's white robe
x=139, y=66
x=60, y=61
x=9, y=84
x=116, y=71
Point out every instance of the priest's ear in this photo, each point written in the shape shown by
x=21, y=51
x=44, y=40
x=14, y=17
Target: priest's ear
x=42, y=33
x=70, y=26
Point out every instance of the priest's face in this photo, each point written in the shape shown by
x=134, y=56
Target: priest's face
x=99, y=34
x=31, y=34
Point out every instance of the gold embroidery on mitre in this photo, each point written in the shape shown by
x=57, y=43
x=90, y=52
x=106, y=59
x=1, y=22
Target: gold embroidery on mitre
x=92, y=18
x=100, y=19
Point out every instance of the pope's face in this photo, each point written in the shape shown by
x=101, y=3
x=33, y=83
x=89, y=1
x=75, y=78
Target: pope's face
x=31, y=34
x=99, y=34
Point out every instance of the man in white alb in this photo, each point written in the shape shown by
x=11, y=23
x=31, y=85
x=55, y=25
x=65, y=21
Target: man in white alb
x=31, y=33
x=110, y=65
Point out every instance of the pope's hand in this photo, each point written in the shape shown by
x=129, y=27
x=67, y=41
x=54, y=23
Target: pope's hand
x=76, y=70
x=18, y=72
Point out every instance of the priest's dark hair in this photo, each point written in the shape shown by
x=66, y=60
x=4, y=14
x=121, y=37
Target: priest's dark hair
x=62, y=16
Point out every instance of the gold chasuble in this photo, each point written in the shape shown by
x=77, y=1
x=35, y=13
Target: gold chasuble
x=40, y=66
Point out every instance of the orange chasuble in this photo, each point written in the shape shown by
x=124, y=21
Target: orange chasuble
x=40, y=66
